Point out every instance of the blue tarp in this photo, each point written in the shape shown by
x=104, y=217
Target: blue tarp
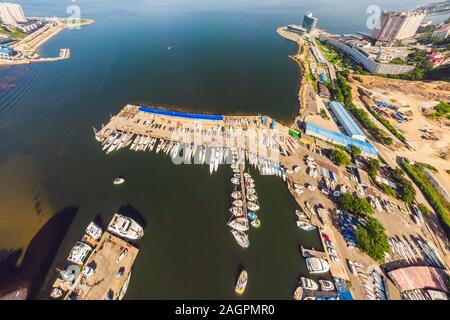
x=331, y=175
x=198, y=116
x=346, y=295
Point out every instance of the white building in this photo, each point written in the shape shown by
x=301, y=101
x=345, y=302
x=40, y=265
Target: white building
x=11, y=14
x=442, y=32
x=398, y=25
x=361, y=57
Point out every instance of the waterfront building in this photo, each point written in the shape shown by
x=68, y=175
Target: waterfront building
x=296, y=28
x=6, y=51
x=362, y=57
x=398, y=25
x=309, y=22
x=346, y=121
x=11, y=14
x=367, y=149
x=442, y=32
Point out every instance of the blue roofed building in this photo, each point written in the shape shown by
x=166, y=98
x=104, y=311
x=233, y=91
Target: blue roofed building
x=346, y=121
x=6, y=51
x=367, y=149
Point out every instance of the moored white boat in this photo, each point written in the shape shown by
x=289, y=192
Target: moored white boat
x=125, y=227
x=241, y=238
x=309, y=284
x=94, y=231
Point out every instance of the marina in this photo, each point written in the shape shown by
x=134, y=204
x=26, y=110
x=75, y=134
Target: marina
x=102, y=267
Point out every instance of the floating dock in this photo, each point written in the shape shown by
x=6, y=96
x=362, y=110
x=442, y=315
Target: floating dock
x=104, y=283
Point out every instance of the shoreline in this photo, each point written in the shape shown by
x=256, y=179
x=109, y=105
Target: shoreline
x=297, y=58
x=31, y=43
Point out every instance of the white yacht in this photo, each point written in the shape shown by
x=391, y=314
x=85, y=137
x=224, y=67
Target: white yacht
x=317, y=265
x=326, y=285
x=238, y=203
x=241, y=238
x=94, y=231
x=236, y=195
x=309, y=284
x=237, y=225
x=79, y=253
x=305, y=225
x=118, y=180
x=252, y=206
x=125, y=227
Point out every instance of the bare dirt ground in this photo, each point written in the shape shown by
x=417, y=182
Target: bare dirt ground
x=413, y=96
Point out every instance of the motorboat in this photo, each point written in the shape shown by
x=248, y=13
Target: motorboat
x=305, y=225
x=122, y=254
x=252, y=197
x=236, y=195
x=251, y=191
x=298, y=293
x=317, y=265
x=94, y=231
x=238, y=203
x=256, y=223
x=308, y=284
x=252, y=206
x=236, y=211
x=79, y=253
x=125, y=227
x=241, y=238
x=237, y=225
x=252, y=216
x=124, y=287
x=326, y=285
x=241, y=283
x=334, y=258
x=119, y=180
x=56, y=293
x=235, y=181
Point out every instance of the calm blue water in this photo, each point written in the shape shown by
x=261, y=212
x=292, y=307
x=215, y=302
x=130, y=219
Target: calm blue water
x=226, y=58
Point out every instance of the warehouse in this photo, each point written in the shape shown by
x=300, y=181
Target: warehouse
x=346, y=121
x=367, y=150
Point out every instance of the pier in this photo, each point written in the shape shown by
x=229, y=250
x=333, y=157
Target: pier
x=261, y=140
x=104, y=282
x=312, y=253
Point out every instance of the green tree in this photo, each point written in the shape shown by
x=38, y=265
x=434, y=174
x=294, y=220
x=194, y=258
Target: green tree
x=372, y=239
x=355, y=205
x=354, y=151
x=340, y=157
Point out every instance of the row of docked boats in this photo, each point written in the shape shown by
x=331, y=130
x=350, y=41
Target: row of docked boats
x=184, y=152
x=374, y=285
x=67, y=280
x=307, y=284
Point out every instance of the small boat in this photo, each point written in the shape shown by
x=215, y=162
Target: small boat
x=252, y=197
x=122, y=254
x=252, y=206
x=238, y=203
x=125, y=287
x=236, y=195
x=309, y=284
x=317, y=265
x=251, y=191
x=326, y=285
x=79, y=252
x=119, y=180
x=256, y=223
x=241, y=238
x=298, y=293
x=125, y=227
x=237, y=225
x=236, y=211
x=247, y=175
x=235, y=181
x=241, y=283
x=305, y=225
x=56, y=293
x=252, y=216
x=94, y=231
x=300, y=214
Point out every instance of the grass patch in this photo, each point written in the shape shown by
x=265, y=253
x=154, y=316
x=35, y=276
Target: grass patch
x=434, y=197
